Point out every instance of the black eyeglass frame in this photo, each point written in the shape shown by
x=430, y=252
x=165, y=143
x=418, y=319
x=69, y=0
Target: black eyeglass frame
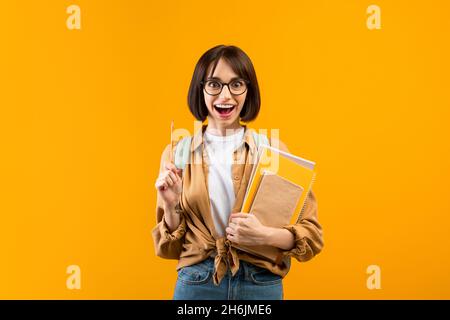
x=223, y=84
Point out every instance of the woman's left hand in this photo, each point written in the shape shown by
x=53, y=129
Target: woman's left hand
x=245, y=229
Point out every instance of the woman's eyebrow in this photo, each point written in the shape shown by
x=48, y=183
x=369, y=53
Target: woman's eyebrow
x=217, y=78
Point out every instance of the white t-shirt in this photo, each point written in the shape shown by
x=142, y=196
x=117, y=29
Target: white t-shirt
x=220, y=184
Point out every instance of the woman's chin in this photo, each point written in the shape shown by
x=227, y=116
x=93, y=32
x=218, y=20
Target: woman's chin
x=226, y=121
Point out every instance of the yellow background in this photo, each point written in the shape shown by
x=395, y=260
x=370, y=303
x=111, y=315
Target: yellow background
x=86, y=113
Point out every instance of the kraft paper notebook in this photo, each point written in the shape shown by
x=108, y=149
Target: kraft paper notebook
x=276, y=193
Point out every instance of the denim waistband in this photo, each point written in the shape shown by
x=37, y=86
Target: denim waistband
x=243, y=265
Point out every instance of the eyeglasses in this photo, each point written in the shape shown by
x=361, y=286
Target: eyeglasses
x=214, y=87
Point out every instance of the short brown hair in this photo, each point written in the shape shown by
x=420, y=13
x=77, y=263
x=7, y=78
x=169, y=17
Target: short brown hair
x=241, y=65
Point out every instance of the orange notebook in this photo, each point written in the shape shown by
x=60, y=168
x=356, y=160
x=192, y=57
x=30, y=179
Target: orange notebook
x=293, y=168
x=276, y=193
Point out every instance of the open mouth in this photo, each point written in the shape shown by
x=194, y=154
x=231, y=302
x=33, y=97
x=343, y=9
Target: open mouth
x=224, y=109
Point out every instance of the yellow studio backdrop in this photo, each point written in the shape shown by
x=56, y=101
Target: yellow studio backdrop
x=86, y=110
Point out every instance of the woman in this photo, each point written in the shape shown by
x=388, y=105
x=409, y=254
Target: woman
x=198, y=210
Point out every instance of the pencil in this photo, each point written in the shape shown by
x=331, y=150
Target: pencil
x=171, y=142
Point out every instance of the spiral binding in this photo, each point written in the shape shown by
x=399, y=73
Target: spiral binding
x=306, y=199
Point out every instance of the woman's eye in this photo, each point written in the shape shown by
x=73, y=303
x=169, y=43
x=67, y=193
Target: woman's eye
x=237, y=84
x=213, y=84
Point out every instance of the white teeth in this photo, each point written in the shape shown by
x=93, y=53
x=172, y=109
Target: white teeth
x=224, y=105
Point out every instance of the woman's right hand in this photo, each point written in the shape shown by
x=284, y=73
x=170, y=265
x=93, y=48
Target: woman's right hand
x=169, y=185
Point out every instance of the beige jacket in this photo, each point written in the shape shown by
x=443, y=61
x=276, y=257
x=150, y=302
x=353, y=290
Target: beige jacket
x=196, y=238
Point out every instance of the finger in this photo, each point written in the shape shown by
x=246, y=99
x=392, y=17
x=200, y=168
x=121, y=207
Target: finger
x=232, y=226
x=233, y=238
x=173, y=176
x=169, y=181
x=235, y=229
x=239, y=215
x=164, y=183
x=237, y=221
x=170, y=166
x=161, y=184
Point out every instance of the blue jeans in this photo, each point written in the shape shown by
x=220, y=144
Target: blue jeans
x=249, y=283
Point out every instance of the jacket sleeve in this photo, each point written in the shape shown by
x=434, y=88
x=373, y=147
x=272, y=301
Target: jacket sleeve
x=308, y=235
x=307, y=232
x=167, y=244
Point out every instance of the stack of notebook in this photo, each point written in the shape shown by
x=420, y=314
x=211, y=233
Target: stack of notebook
x=276, y=194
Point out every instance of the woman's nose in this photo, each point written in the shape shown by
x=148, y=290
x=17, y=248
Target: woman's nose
x=225, y=92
